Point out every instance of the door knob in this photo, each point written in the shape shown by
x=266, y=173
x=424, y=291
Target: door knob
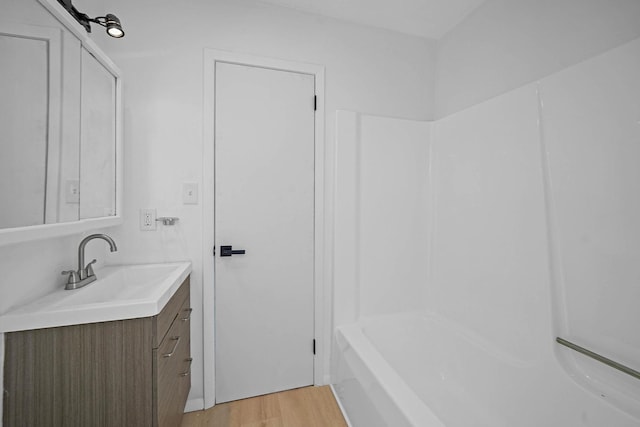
x=228, y=251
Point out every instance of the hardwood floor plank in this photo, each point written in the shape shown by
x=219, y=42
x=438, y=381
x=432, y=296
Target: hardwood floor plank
x=296, y=409
x=272, y=422
x=303, y=407
x=310, y=407
x=326, y=407
x=218, y=416
x=256, y=409
x=193, y=419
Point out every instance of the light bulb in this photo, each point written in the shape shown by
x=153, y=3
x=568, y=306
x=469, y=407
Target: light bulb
x=115, y=32
x=114, y=29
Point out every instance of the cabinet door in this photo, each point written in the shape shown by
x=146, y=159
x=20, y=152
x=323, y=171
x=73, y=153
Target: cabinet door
x=98, y=375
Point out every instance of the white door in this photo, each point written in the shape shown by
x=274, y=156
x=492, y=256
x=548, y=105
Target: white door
x=264, y=205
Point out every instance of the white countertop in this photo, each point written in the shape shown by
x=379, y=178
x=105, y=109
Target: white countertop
x=121, y=292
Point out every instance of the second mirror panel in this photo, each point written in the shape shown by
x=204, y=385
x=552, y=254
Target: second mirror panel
x=98, y=136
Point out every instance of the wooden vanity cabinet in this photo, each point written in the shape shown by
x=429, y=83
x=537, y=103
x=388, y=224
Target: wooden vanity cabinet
x=133, y=372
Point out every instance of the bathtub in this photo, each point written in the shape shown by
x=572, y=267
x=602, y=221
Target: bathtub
x=422, y=370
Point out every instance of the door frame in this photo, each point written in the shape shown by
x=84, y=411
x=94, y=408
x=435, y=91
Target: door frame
x=321, y=264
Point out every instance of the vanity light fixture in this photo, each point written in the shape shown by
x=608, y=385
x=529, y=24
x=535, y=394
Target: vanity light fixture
x=109, y=21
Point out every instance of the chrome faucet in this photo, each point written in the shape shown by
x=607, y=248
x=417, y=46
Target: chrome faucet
x=85, y=273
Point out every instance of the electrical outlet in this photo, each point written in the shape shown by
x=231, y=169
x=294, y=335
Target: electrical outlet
x=147, y=219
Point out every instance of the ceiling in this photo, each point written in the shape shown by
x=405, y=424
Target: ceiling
x=424, y=18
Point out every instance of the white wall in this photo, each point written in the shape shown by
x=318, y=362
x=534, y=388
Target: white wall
x=161, y=57
x=508, y=43
x=381, y=218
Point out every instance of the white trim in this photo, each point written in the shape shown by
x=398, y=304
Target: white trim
x=193, y=405
x=342, y=409
x=65, y=18
x=54, y=136
x=2, y=374
x=322, y=308
x=11, y=236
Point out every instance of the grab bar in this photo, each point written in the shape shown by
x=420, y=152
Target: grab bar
x=601, y=359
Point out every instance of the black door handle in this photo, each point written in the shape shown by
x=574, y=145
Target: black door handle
x=228, y=251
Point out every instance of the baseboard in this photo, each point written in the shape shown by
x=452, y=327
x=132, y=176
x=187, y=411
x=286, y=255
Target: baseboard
x=194, y=405
x=344, y=413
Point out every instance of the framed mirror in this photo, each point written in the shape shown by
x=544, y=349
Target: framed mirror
x=60, y=112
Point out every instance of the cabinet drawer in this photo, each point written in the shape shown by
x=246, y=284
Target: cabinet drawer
x=173, y=362
x=178, y=332
x=170, y=311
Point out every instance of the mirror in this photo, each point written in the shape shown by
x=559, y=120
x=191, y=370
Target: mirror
x=30, y=93
x=98, y=139
x=59, y=116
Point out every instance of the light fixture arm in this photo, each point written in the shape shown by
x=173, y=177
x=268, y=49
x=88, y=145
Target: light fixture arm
x=100, y=20
x=109, y=21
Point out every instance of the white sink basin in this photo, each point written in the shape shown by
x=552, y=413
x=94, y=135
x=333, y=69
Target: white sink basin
x=121, y=292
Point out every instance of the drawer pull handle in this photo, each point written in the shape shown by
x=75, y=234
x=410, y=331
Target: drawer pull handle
x=177, y=340
x=188, y=310
x=188, y=371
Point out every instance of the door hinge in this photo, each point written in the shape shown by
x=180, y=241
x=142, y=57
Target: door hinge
x=214, y=251
x=314, y=346
x=315, y=103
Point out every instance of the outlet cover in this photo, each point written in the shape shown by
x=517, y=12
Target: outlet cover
x=147, y=219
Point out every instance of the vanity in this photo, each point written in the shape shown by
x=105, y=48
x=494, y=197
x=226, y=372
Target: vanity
x=114, y=353
x=110, y=352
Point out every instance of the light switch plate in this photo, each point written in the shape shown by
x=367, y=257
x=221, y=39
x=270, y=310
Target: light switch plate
x=72, y=191
x=190, y=193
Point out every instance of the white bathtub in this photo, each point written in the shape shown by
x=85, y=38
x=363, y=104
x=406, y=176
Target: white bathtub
x=422, y=370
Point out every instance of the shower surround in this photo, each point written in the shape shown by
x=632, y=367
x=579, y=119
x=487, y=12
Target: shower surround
x=453, y=288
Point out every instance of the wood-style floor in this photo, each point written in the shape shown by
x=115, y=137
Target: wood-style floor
x=303, y=407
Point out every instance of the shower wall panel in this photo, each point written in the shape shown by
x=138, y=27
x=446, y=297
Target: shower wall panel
x=394, y=160
x=591, y=123
x=381, y=215
x=489, y=270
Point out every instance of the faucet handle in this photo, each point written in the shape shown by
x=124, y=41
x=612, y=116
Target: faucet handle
x=73, y=277
x=89, y=269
